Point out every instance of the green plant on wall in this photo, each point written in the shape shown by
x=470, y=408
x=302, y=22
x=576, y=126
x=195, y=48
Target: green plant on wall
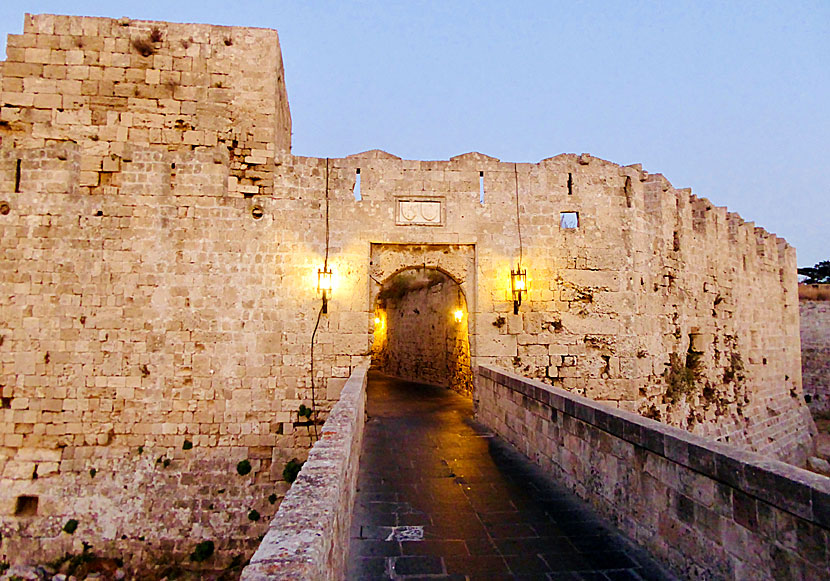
x=734, y=371
x=291, y=470
x=72, y=564
x=202, y=551
x=681, y=376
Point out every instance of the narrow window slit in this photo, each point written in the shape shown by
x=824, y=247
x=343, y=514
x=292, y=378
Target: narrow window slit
x=570, y=184
x=481, y=187
x=17, y=177
x=357, y=195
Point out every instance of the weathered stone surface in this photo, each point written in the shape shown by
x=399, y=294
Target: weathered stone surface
x=815, y=353
x=722, y=512
x=309, y=536
x=416, y=333
x=160, y=248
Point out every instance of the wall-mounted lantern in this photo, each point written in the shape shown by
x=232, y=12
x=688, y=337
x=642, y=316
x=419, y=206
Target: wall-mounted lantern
x=518, y=286
x=324, y=286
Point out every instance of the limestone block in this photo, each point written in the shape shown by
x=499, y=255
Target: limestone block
x=13, y=440
x=111, y=164
x=504, y=345
x=24, y=70
x=17, y=99
x=46, y=469
x=24, y=364
x=19, y=470
x=47, y=101
x=605, y=279
x=21, y=41
x=334, y=386
x=38, y=55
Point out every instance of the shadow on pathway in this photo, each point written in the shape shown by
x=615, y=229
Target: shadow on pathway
x=440, y=498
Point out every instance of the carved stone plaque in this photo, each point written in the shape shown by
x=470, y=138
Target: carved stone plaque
x=420, y=211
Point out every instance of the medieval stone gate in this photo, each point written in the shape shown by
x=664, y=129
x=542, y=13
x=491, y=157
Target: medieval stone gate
x=440, y=279
x=162, y=249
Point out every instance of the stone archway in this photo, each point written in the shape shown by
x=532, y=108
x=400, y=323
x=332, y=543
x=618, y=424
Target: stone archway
x=423, y=303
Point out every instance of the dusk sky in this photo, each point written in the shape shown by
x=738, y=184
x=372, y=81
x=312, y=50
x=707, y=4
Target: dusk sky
x=731, y=99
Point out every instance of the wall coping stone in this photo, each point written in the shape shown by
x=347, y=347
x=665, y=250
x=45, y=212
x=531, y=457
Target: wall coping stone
x=792, y=489
x=301, y=537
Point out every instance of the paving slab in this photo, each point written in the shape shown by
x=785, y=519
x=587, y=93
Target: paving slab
x=440, y=497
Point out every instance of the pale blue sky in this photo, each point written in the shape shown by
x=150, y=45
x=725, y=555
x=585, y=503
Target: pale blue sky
x=731, y=99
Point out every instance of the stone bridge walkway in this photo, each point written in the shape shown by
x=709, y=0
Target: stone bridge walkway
x=440, y=498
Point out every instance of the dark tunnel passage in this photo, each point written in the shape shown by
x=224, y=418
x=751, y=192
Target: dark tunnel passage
x=421, y=330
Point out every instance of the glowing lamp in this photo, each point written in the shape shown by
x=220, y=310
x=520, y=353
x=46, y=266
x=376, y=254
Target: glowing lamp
x=324, y=286
x=518, y=287
x=377, y=320
x=459, y=315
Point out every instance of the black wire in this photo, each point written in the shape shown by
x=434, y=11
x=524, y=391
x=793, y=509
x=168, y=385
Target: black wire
x=518, y=219
x=326, y=261
x=320, y=312
x=313, y=398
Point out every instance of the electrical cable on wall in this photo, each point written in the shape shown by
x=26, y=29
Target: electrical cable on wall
x=326, y=259
x=518, y=218
x=313, y=419
x=518, y=277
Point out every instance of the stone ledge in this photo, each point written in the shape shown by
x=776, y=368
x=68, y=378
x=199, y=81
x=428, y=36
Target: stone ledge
x=308, y=538
x=792, y=489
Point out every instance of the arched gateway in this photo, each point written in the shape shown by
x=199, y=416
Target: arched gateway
x=422, y=301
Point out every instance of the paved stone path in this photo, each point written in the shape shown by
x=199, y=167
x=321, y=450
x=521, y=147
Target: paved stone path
x=440, y=498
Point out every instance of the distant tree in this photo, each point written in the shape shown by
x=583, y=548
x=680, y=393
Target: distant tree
x=818, y=274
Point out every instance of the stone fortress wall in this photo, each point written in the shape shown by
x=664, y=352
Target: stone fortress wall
x=140, y=314
x=814, y=307
x=160, y=251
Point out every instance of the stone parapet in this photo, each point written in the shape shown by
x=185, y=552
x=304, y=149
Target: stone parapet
x=309, y=536
x=704, y=508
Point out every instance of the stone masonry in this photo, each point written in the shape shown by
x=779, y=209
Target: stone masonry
x=417, y=335
x=705, y=509
x=815, y=354
x=160, y=248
